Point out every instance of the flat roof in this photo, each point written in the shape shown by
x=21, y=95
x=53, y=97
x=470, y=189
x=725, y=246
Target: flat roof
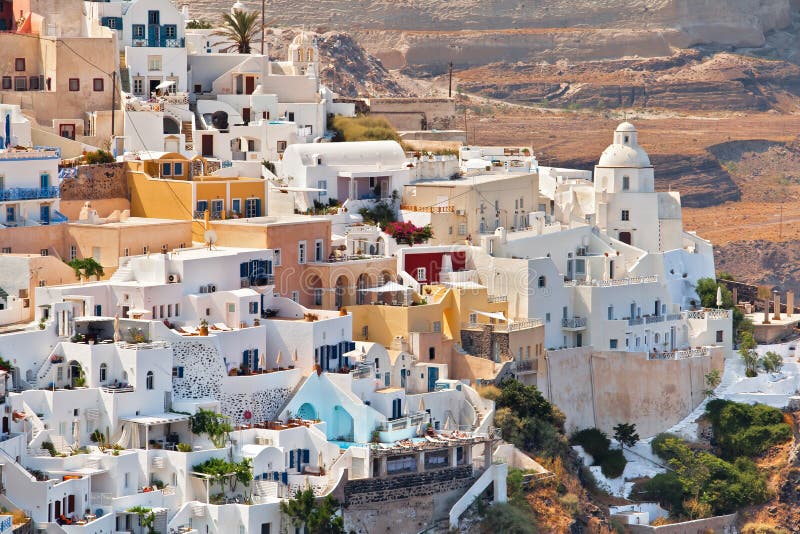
x=157, y=419
x=273, y=221
x=476, y=179
x=132, y=221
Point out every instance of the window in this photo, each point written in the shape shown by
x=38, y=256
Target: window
x=20, y=83
x=170, y=31
x=126, y=479
x=74, y=84
x=169, y=310
x=164, y=248
x=236, y=205
x=103, y=372
x=317, y=296
x=625, y=215
x=437, y=327
x=612, y=343
x=611, y=313
x=318, y=250
x=473, y=318
x=6, y=250
x=97, y=85
x=252, y=207
x=145, y=249
x=126, y=252
x=449, y=230
x=160, y=311
x=149, y=380
x=177, y=309
x=137, y=31
x=166, y=169
x=73, y=252
x=19, y=64
x=44, y=252
x=253, y=307
x=153, y=63
x=154, y=18
x=301, y=252
x=462, y=228
x=6, y=83
x=295, y=296
x=281, y=147
x=33, y=83
x=177, y=372
x=138, y=86
x=626, y=183
x=542, y=282
x=276, y=255
x=365, y=334
x=547, y=317
x=11, y=214
x=719, y=336
x=422, y=274
x=431, y=353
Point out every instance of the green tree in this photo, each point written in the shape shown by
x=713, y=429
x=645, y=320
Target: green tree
x=772, y=362
x=239, y=30
x=318, y=517
x=747, y=350
x=147, y=518
x=214, y=425
x=625, y=434
x=86, y=268
x=712, y=380
x=198, y=24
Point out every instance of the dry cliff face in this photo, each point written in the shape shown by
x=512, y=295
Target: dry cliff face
x=476, y=32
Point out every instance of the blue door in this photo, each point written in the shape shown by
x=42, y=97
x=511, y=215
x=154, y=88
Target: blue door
x=44, y=214
x=44, y=180
x=153, y=35
x=433, y=376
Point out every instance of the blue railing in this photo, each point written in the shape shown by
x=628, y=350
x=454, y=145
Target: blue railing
x=29, y=193
x=67, y=172
x=57, y=217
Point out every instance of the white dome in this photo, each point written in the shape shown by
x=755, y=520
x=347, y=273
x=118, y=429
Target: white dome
x=618, y=155
x=625, y=150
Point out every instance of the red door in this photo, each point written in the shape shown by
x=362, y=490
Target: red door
x=249, y=85
x=246, y=113
x=208, y=145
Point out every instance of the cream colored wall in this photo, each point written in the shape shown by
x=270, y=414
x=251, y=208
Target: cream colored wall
x=604, y=389
x=104, y=206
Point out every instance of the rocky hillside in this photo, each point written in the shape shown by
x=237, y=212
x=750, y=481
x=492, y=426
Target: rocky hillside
x=762, y=262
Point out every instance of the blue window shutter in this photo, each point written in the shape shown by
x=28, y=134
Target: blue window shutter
x=246, y=357
x=306, y=455
x=258, y=207
x=243, y=270
x=180, y=372
x=285, y=478
x=255, y=359
x=291, y=458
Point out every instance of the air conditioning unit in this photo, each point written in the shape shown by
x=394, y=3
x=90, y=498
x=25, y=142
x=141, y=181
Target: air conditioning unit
x=212, y=288
x=460, y=212
x=173, y=278
x=263, y=440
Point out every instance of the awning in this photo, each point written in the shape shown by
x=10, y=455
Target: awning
x=158, y=419
x=389, y=287
x=164, y=85
x=492, y=315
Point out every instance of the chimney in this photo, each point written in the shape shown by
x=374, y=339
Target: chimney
x=777, y=298
x=790, y=303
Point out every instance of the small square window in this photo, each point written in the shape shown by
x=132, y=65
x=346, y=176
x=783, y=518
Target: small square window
x=720, y=335
x=74, y=84
x=612, y=343
x=20, y=83
x=626, y=215
x=7, y=84
x=547, y=317
x=33, y=83
x=98, y=85
x=19, y=64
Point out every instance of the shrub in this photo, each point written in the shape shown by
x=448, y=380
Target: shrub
x=660, y=446
x=363, y=128
x=407, y=232
x=594, y=442
x=98, y=156
x=761, y=528
x=49, y=447
x=183, y=447
x=613, y=465
x=504, y=517
x=745, y=430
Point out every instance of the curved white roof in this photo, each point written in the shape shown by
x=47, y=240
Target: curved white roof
x=625, y=150
x=388, y=154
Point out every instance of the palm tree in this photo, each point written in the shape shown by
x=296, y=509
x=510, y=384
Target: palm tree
x=240, y=29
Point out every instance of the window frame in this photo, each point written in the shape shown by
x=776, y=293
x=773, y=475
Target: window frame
x=98, y=82
x=625, y=215
x=77, y=85
x=20, y=61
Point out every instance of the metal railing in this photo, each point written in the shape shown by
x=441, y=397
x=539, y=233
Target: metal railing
x=573, y=322
x=708, y=314
x=497, y=298
x=428, y=209
x=679, y=354
x=614, y=283
x=635, y=321
x=29, y=193
x=654, y=319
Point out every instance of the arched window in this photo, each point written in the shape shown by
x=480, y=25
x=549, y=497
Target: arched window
x=542, y=281
x=103, y=372
x=149, y=381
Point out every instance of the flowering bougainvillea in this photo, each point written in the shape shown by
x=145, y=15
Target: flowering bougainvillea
x=407, y=232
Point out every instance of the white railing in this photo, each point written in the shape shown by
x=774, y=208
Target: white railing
x=504, y=327
x=143, y=346
x=617, y=282
x=709, y=314
x=573, y=322
x=680, y=354
x=497, y=298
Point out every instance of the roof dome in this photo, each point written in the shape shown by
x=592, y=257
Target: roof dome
x=625, y=150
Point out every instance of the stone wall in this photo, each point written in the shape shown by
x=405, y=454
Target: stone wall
x=263, y=405
x=724, y=524
x=416, y=113
x=393, y=488
x=480, y=342
x=96, y=182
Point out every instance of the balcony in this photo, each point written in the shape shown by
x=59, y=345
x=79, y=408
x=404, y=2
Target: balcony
x=680, y=354
x=259, y=281
x=573, y=324
x=617, y=282
x=524, y=366
x=504, y=328
x=29, y=193
x=428, y=209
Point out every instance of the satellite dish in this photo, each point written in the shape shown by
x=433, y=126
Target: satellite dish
x=210, y=237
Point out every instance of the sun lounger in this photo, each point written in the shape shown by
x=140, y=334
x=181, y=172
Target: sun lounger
x=221, y=326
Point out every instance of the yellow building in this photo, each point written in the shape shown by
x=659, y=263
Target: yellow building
x=458, y=325
x=166, y=186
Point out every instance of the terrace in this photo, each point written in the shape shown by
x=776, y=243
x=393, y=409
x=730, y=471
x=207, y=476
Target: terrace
x=29, y=193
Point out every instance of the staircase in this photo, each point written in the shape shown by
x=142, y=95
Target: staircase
x=124, y=74
x=123, y=274
x=186, y=129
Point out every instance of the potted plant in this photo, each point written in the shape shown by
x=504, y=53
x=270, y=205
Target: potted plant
x=203, y=329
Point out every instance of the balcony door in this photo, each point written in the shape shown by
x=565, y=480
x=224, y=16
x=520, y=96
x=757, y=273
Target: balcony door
x=44, y=214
